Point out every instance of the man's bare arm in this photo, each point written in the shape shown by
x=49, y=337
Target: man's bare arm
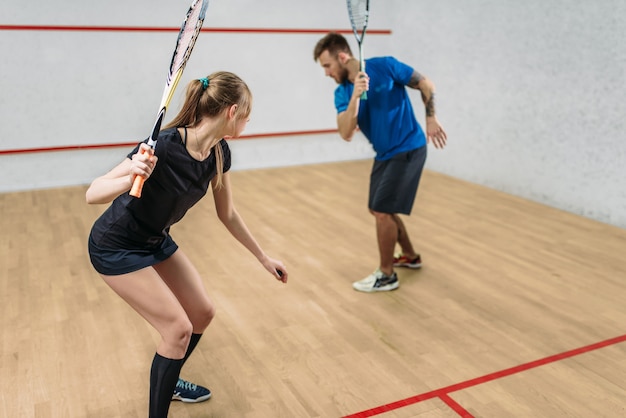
x=347, y=120
x=426, y=88
x=434, y=131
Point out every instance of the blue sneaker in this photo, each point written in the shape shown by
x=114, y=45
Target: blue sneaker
x=190, y=392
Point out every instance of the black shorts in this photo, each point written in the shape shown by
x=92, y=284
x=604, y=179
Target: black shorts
x=113, y=262
x=394, y=182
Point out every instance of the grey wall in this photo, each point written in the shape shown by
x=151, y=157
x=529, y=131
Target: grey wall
x=531, y=93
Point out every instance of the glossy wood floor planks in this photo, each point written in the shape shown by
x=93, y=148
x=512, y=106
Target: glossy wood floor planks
x=505, y=282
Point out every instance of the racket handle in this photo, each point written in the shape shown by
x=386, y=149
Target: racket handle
x=364, y=94
x=135, y=191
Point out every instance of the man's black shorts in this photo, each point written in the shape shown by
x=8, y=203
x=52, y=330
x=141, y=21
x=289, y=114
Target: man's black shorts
x=394, y=182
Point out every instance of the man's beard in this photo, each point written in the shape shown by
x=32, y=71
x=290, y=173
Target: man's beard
x=342, y=76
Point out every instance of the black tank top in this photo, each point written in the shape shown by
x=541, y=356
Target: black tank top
x=177, y=183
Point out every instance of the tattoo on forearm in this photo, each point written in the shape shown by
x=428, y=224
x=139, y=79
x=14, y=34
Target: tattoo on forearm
x=429, y=100
x=415, y=80
x=429, y=104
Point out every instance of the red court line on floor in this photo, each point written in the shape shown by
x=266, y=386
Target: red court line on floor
x=132, y=144
x=443, y=392
x=455, y=406
x=76, y=28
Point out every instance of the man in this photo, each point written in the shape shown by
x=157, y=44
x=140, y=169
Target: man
x=386, y=118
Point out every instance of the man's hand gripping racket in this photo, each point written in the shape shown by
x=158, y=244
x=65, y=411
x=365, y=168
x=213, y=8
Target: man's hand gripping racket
x=359, y=11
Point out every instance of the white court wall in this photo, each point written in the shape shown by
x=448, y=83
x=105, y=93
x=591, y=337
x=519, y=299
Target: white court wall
x=531, y=93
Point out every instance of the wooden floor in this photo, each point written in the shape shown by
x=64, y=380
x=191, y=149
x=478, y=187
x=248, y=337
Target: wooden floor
x=505, y=282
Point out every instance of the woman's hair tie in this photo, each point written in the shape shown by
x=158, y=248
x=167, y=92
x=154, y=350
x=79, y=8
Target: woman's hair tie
x=205, y=82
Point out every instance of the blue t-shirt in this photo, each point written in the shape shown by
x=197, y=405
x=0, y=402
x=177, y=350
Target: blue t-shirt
x=386, y=118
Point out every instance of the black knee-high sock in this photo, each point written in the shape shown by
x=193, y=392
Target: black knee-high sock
x=193, y=342
x=163, y=377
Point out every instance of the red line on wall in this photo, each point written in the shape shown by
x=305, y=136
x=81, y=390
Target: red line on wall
x=443, y=392
x=132, y=144
x=174, y=29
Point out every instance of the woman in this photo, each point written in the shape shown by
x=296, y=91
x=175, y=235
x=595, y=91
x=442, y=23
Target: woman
x=130, y=245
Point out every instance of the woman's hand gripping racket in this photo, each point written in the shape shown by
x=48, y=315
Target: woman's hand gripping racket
x=187, y=36
x=359, y=11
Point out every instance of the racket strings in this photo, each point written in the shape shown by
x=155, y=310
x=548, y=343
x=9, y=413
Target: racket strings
x=188, y=34
x=359, y=13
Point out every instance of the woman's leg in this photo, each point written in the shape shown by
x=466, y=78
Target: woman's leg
x=185, y=283
x=163, y=379
x=147, y=293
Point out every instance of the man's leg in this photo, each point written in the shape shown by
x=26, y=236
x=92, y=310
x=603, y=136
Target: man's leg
x=387, y=234
x=403, y=239
x=384, y=278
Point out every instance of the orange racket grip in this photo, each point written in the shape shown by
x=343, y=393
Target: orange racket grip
x=135, y=191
